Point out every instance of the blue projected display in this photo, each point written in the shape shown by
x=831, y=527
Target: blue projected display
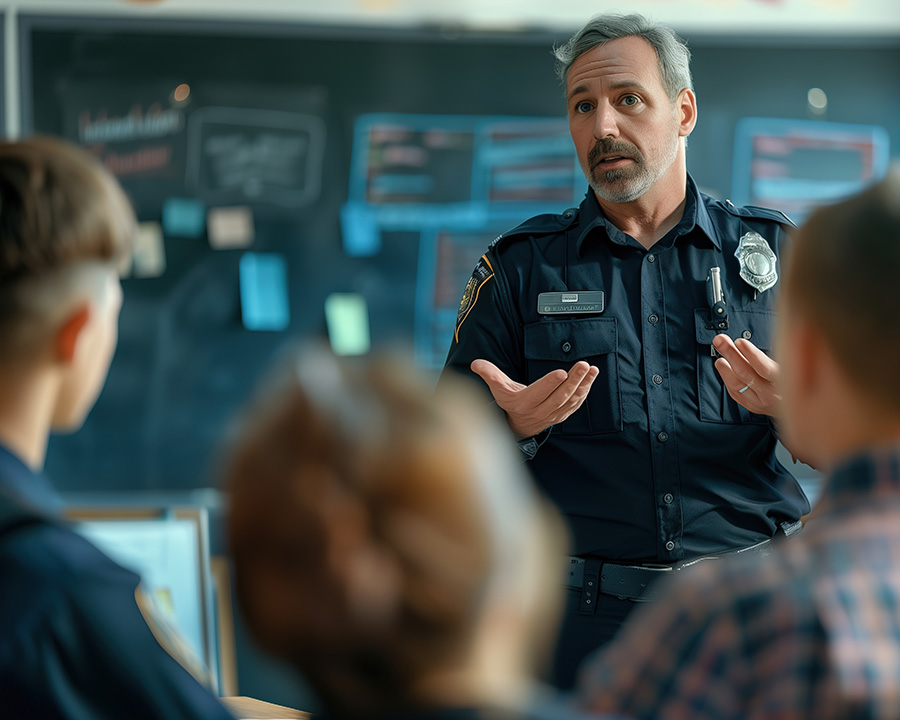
x=458, y=181
x=410, y=172
x=794, y=165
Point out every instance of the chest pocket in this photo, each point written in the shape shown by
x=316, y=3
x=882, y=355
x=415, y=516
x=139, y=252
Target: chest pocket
x=555, y=344
x=715, y=403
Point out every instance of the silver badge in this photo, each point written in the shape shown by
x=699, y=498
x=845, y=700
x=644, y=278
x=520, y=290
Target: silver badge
x=757, y=261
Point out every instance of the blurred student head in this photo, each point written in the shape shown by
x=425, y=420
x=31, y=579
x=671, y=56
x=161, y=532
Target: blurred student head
x=839, y=338
x=388, y=545
x=65, y=226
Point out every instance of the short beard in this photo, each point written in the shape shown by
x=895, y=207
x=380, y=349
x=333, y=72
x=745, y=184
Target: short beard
x=624, y=185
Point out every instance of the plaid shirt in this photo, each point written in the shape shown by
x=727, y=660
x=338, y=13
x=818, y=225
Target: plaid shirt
x=810, y=631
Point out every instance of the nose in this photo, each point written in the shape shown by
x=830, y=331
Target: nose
x=605, y=124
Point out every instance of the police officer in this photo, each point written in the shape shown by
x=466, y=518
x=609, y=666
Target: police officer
x=626, y=341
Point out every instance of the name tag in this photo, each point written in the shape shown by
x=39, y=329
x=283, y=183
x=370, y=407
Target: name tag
x=570, y=303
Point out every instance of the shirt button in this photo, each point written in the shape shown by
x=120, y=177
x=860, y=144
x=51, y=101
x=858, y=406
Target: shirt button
x=653, y=319
x=651, y=258
x=668, y=498
x=663, y=436
x=566, y=346
x=670, y=546
x=746, y=334
x=658, y=379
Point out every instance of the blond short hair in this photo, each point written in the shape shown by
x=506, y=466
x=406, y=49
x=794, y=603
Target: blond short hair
x=60, y=212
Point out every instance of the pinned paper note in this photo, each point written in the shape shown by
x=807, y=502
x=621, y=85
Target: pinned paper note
x=149, y=256
x=264, y=292
x=230, y=227
x=347, y=319
x=183, y=217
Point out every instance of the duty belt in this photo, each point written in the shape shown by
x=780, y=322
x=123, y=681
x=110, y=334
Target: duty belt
x=638, y=582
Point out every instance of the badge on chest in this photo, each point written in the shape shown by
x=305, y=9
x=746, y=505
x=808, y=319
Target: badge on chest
x=573, y=302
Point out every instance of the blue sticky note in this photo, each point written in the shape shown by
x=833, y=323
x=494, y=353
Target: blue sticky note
x=264, y=292
x=183, y=217
x=362, y=237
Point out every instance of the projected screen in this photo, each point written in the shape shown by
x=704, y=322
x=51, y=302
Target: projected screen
x=420, y=172
x=794, y=165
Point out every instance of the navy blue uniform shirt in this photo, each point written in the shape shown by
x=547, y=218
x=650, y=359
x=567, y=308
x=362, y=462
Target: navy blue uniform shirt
x=73, y=642
x=659, y=464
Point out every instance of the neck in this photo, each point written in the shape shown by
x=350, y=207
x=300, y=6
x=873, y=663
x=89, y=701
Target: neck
x=471, y=687
x=26, y=408
x=657, y=211
x=495, y=673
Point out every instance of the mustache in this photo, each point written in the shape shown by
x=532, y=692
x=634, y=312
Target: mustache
x=608, y=146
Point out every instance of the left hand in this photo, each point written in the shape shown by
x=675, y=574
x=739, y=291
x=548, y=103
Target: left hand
x=743, y=366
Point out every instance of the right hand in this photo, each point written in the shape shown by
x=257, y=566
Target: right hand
x=547, y=401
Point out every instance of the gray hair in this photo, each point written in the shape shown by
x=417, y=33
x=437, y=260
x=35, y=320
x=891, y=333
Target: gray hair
x=671, y=51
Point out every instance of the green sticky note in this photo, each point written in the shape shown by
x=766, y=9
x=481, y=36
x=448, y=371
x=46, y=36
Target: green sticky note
x=347, y=318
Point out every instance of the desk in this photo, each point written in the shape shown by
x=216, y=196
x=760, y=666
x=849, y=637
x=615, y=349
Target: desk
x=252, y=709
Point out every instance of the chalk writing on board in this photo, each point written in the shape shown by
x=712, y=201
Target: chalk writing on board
x=247, y=155
x=134, y=131
x=136, y=125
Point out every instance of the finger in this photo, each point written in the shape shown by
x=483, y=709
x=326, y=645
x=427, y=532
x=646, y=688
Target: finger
x=578, y=397
x=738, y=364
x=496, y=379
x=734, y=386
x=733, y=381
x=764, y=366
x=542, y=389
x=576, y=376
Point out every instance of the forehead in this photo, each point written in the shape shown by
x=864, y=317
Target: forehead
x=620, y=61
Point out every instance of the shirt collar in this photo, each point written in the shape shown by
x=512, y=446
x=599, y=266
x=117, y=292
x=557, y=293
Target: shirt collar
x=696, y=214
x=867, y=479
x=32, y=488
x=875, y=472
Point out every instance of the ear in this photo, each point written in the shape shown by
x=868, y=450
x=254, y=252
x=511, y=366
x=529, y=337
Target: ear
x=66, y=338
x=686, y=105
x=810, y=356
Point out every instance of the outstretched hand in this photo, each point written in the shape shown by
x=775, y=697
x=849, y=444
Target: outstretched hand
x=749, y=375
x=547, y=401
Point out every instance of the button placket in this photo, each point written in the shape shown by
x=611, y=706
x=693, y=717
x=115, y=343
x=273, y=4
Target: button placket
x=660, y=419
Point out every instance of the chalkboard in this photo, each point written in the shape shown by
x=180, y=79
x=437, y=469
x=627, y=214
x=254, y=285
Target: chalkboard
x=225, y=115
x=280, y=119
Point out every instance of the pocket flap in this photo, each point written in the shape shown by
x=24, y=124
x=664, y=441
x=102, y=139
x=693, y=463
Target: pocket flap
x=570, y=340
x=753, y=325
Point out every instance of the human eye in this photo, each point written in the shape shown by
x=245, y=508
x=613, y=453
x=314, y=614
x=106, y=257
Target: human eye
x=583, y=107
x=630, y=100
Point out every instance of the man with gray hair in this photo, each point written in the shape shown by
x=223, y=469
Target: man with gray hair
x=617, y=339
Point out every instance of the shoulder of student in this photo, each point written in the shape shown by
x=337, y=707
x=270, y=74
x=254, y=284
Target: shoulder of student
x=48, y=553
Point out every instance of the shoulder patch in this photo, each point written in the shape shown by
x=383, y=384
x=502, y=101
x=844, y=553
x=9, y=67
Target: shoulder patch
x=541, y=225
x=755, y=211
x=159, y=616
x=482, y=273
